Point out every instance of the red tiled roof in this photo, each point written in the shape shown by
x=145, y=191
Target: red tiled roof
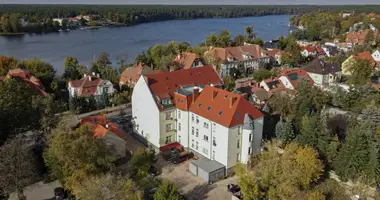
x=100, y=124
x=301, y=74
x=223, y=107
x=274, y=52
x=364, y=55
x=87, y=86
x=359, y=37
x=131, y=75
x=28, y=78
x=185, y=59
x=182, y=102
x=99, y=131
x=96, y=119
x=163, y=85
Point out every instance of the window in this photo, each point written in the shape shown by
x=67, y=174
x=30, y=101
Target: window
x=250, y=137
x=238, y=157
x=208, y=108
x=214, y=141
x=192, y=130
x=168, y=115
x=249, y=150
x=238, y=144
x=205, y=137
x=179, y=126
x=213, y=155
x=197, y=133
x=196, y=145
x=205, y=124
x=179, y=139
x=168, y=127
x=239, y=129
x=220, y=113
x=205, y=151
x=105, y=90
x=179, y=114
x=137, y=127
x=192, y=143
x=197, y=120
x=192, y=117
x=168, y=139
x=142, y=132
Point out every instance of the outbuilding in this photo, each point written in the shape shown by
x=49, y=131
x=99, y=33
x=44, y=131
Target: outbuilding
x=208, y=170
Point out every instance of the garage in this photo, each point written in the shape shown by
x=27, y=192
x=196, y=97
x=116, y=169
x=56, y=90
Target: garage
x=208, y=170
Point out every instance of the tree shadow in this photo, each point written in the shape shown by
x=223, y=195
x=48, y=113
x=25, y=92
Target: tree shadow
x=199, y=192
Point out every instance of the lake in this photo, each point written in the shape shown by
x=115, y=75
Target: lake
x=130, y=41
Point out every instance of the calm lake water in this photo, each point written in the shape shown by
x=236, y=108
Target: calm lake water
x=85, y=44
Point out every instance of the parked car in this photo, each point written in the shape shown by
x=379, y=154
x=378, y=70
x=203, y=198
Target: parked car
x=153, y=171
x=59, y=193
x=183, y=158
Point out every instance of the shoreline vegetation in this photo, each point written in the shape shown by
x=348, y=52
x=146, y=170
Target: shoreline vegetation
x=17, y=18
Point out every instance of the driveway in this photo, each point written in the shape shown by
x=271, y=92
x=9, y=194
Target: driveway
x=193, y=187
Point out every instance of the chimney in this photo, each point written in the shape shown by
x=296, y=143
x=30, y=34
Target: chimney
x=232, y=101
x=195, y=93
x=98, y=75
x=214, y=93
x=93, y=73
x=89, y=78
x=107, y=126
x=84, y=75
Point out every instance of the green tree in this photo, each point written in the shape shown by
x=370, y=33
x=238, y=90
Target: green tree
x=41, y=69
x=17, y=167
x=103, y=60
x=6, y=25
x=224, y=39
x=358, y=158
x=239, y=40
x=18, y=112
x=141, y=162
x=282, y=104
x=281, y=44
x=71, y=156
x=285, y=131
x=361, y=70
x=107, y=187
x=369, y=38
x=250, y=34
x=73, y=71
x=64, y=24
x=167, y=191
x=7, y=63
x=14, y=20
x=261, y=74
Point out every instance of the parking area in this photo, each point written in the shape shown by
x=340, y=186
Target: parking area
x=193, y=187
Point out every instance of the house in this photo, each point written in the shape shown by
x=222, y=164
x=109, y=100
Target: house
x=28, y=77
x=85, y=17
x=323, y=72
x=156, y=98
x=109, y=132
x=289, y=79
x=376, y=57
x=223, y=126
x=250, y=57
x=131, y=75
x=349, y=61
x=270, y=45
x=91, y=85
x=187, y=60
x=59, y=20
x=276, y=55
x=358, y=38
x=313, y=51
x=331, y=51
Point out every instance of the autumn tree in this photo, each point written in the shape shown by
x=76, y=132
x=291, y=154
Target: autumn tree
x=361, y=70
x=17, y=167
x=141, y=162
x=73, y=155
x=280, y=174
x=7, y=63
x=167, y=191
x=285, y=131
x=41, y=69
x=261, y=74
x=282, y=104
x=107, y=187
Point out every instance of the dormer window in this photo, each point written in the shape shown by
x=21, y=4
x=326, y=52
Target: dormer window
x=208, y=108
x=220, y=113
x=199, y=105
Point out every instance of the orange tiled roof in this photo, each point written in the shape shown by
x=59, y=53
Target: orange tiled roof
x=28, y=78
x=96, y=119
x=87, y=86
x=274, y=52
x=359, y=37
x=183, y=102
x=185, y=59
x=131, y=75
x=101, y=126
x=364, y=55
x=163, y=85
x=223, y=107
x=237, y=53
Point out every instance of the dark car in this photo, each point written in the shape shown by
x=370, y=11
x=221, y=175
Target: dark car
x=153, y=171
x=59, y=193
x=183, y=158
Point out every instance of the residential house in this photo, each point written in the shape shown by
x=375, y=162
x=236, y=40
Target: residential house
x=276, y=55
x=223, y=126
x=187, y=60
x=305, y=43
x=131, y=75
x=109, y=132
x=249, y=57
x=270, y=45
x=376, y=57
x=27, y=77
x=91, y=85
x=313, y=51
x=331, y=51
x=358, y=38
x=85, y=17
x=323, y=72
x=155, y=99
x=288, y=80
x=349, y=61
x=59, y=20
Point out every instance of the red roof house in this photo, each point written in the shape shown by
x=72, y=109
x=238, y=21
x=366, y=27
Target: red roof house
x=131, y=75
x=28, y=78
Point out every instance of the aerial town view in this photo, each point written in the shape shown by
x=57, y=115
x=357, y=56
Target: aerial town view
x=189, y=100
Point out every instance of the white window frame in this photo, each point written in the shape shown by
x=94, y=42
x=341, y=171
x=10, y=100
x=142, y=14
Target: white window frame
x=168, y=127
x=168, y=115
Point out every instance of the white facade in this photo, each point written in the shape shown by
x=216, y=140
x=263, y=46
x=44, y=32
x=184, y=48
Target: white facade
x=105, y=87
x=376, y=55
x=145, y=113
x=253, y=64
x=183, y=127
x=59, y=20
